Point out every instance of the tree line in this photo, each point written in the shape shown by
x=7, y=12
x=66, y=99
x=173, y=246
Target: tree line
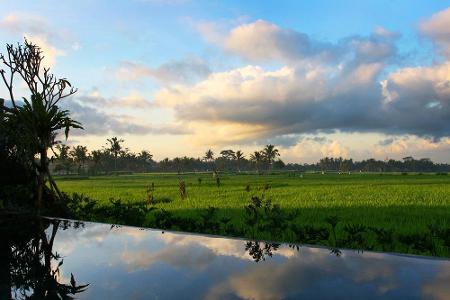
x=406, y=164
x=114, y=157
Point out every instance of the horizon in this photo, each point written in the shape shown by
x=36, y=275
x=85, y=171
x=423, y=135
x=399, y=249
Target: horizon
x=179, y=77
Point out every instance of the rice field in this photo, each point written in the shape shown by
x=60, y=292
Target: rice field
x=406, y=203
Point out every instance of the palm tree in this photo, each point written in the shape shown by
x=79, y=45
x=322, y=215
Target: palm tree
x=115, y=148
x=79, y=155
x=239, y=157
x=165, y=163
x=209, y=156
x=256, y=158
x=96, y=158
x=63, y=158
x=270, y=153
x=145, y=157
x=177, y=162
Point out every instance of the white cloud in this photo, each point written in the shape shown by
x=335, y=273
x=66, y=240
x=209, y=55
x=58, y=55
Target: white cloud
x=437, y=27
x=102, y=116
x=38, y=30
x=438, y=288
x=262, y=41
x=323, y=87
x=50, y=52
x=335, y=149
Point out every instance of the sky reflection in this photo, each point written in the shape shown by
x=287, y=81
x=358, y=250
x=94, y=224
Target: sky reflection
x=133, y=263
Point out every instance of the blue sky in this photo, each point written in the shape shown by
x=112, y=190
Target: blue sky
x=338, y=78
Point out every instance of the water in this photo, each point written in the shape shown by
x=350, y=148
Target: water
x=110, y=262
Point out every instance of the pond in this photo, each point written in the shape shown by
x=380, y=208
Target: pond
x=48, y=257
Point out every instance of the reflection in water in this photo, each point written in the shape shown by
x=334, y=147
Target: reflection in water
x=258, y=251
x=30, y=267
x=124, y=262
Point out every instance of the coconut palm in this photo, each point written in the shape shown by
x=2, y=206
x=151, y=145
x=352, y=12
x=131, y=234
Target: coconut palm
x=209, y=156
x=256, y=158
x=97, y=156
x=177, y=162
x=115, y=148
x=239, y=156
x=145, y=157
x=165, y=163
x=79, y=155
x=270, y=153
x=63, y=158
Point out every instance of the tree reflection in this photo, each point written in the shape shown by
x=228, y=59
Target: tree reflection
x=260, y=250
x=30, y=269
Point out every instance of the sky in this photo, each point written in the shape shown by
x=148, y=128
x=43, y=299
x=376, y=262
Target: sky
x=356, y=79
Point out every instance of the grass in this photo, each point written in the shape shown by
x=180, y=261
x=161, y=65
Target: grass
x=404, y=203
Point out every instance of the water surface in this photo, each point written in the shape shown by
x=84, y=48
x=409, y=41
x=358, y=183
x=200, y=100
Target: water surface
x=101, y=261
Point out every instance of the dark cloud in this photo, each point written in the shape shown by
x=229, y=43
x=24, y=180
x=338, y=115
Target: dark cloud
x=386, y=142
x=317, y=99
x=96, y=122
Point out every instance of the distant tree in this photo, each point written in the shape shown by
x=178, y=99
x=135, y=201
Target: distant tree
x=79, y=156
x=209, y=156
x=115, y=148
x=97, y=156
x=270, y=153
x=63, y=157
x=228, y=154
x=279, y=164
x=145, y=155
x=40, y=119
x=145, y=158
x=177, y=162
x=165, y=163
x=256, y=158
x=239, y=157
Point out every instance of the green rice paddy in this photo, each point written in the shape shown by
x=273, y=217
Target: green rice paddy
x=405, y=203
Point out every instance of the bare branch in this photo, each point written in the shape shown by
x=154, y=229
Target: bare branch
x=26, y=61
